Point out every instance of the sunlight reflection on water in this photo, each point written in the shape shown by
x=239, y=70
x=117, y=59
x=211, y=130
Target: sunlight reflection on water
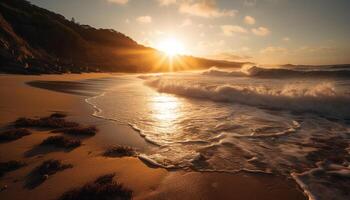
x=165, y=108
x=166, y=112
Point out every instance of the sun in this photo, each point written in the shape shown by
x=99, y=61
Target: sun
x=171, y=46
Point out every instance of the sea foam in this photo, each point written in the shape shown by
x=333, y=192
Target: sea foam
x=322, y=98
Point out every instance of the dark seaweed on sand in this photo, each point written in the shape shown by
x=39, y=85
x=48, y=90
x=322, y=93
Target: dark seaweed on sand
x=13, y=134
x=10, y=166
x=79, y=131
x=103, y=188
x=43, y=171
x=54, y=121
x=57, y=122
x=50, y=167
x=58, y=115
x=61, y=142
x=120, y=151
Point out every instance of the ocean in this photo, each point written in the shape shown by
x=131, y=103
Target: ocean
x=294, y=122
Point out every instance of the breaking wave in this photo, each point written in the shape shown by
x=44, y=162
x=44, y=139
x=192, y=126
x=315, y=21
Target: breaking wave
x=280, y=73
x=323, y=98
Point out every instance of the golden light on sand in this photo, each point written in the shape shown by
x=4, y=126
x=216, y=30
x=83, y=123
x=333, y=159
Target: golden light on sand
x=171, y=46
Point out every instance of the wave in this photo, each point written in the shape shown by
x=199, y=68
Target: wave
x=287, y=131
x=321, y=98
x=279, y=73
x=318, y=183
x=214, y=71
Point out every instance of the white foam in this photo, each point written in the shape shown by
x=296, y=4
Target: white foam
x=321, y=98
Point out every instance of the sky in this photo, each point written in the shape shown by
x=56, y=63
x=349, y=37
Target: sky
x=261, y=31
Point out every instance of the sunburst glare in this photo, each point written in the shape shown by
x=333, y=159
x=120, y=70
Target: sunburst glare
x=171, y=46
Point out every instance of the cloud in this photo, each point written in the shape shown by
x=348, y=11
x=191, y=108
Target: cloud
x=144, y=19
x=166, y=2
x=229, y=30
x=316, y=49
x=204, y=8
x=249, y=3
x=158, y=32
x=186, y=22
x=152, y=33
x=249, y=20
x=261, y=31
x=231, y=56
x=245, y=48
x=211, y=45
x=121, y=2
x=286, y=39
x=274, y=49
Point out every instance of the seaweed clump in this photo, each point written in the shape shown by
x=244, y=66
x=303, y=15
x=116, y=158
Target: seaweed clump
x=61, y=142
x=120, y=151
x=103, y=188
x=54, y=121
x=14, y=134
x=80, y=131
x=43, y=171
x=10, y=166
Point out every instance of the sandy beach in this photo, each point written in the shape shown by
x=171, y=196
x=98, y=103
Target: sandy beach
x=174, y=100
x=20, y=99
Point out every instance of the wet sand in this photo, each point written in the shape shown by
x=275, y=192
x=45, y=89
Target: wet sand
x=31, y=96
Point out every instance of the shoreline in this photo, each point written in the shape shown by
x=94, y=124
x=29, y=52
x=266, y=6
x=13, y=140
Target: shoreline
x=157, y=183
